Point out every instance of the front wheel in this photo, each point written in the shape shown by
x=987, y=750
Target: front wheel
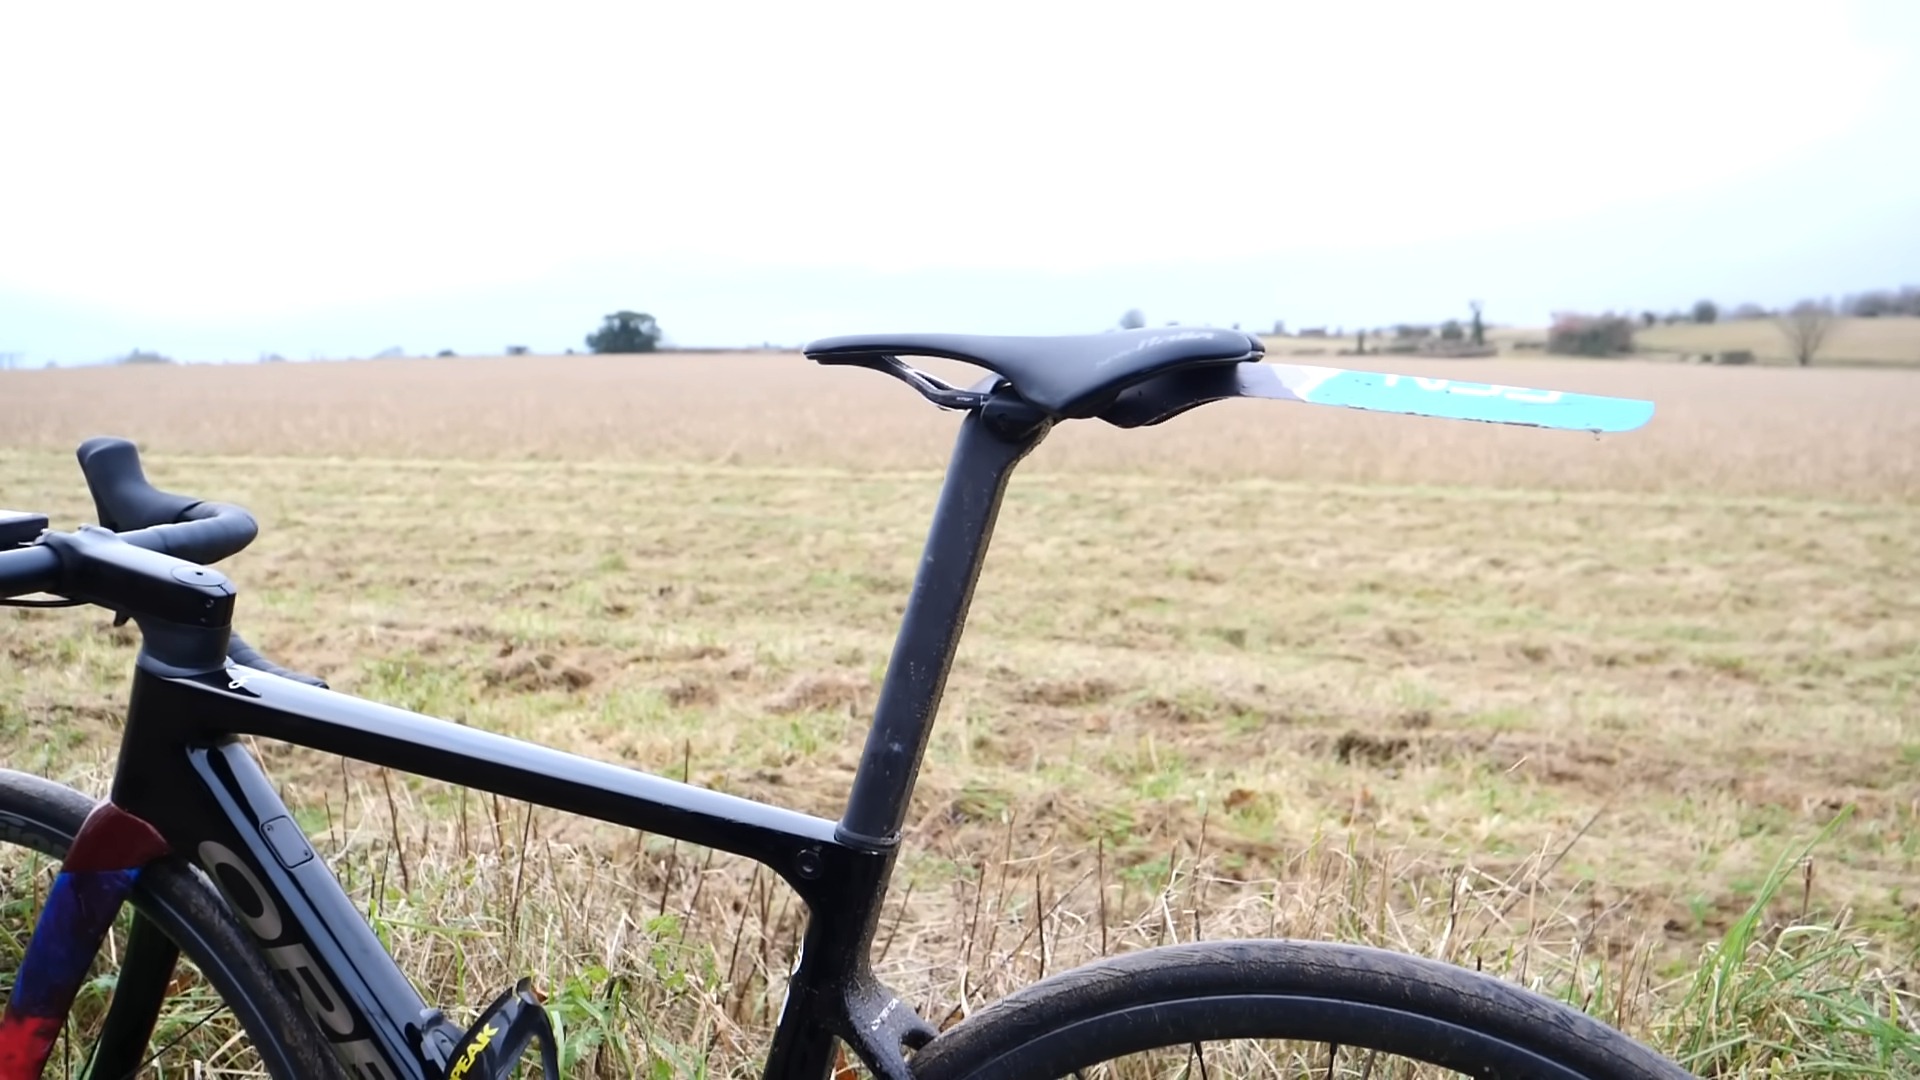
x=1290, y=1009
x=175, y=914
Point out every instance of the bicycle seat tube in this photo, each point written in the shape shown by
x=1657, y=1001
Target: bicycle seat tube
x=992, y=440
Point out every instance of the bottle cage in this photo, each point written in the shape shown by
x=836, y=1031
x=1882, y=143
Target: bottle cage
x=492, y=1047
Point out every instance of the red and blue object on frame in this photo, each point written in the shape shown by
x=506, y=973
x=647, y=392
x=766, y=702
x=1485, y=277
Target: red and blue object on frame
x=96, y=878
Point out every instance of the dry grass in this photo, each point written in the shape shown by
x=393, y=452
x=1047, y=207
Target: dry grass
x=1545, y=703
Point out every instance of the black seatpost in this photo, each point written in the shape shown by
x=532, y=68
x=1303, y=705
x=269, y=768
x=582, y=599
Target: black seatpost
x=992, y=441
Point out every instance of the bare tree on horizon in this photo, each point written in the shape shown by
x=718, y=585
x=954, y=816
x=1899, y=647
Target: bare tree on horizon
x=1806, y=328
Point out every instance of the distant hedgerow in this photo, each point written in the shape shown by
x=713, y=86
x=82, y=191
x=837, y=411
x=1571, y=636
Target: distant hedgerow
x=1590, y=335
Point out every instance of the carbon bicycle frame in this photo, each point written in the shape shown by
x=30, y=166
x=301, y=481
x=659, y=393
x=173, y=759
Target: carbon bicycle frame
x=183, y=769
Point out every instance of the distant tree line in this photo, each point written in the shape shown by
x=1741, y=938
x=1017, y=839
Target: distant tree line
x=1877, y=303
x=1805, y=327
x=1872, y=304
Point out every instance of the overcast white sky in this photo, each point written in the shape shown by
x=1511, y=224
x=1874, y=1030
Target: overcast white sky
x=216, y=181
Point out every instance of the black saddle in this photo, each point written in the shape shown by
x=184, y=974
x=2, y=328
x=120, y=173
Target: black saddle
x=1074, y=376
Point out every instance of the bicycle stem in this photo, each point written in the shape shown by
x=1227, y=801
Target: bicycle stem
x=992, y=440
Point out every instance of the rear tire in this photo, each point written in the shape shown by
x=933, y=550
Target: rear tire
x=44, y=817
x=1351, y=1000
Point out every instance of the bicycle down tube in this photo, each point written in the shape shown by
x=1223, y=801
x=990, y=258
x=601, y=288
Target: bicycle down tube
x=183, y=770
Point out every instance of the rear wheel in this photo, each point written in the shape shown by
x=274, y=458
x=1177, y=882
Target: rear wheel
x=1230, y=1009
x=222, y=1009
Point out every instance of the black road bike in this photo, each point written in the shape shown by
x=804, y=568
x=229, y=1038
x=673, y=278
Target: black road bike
x=193, y=837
